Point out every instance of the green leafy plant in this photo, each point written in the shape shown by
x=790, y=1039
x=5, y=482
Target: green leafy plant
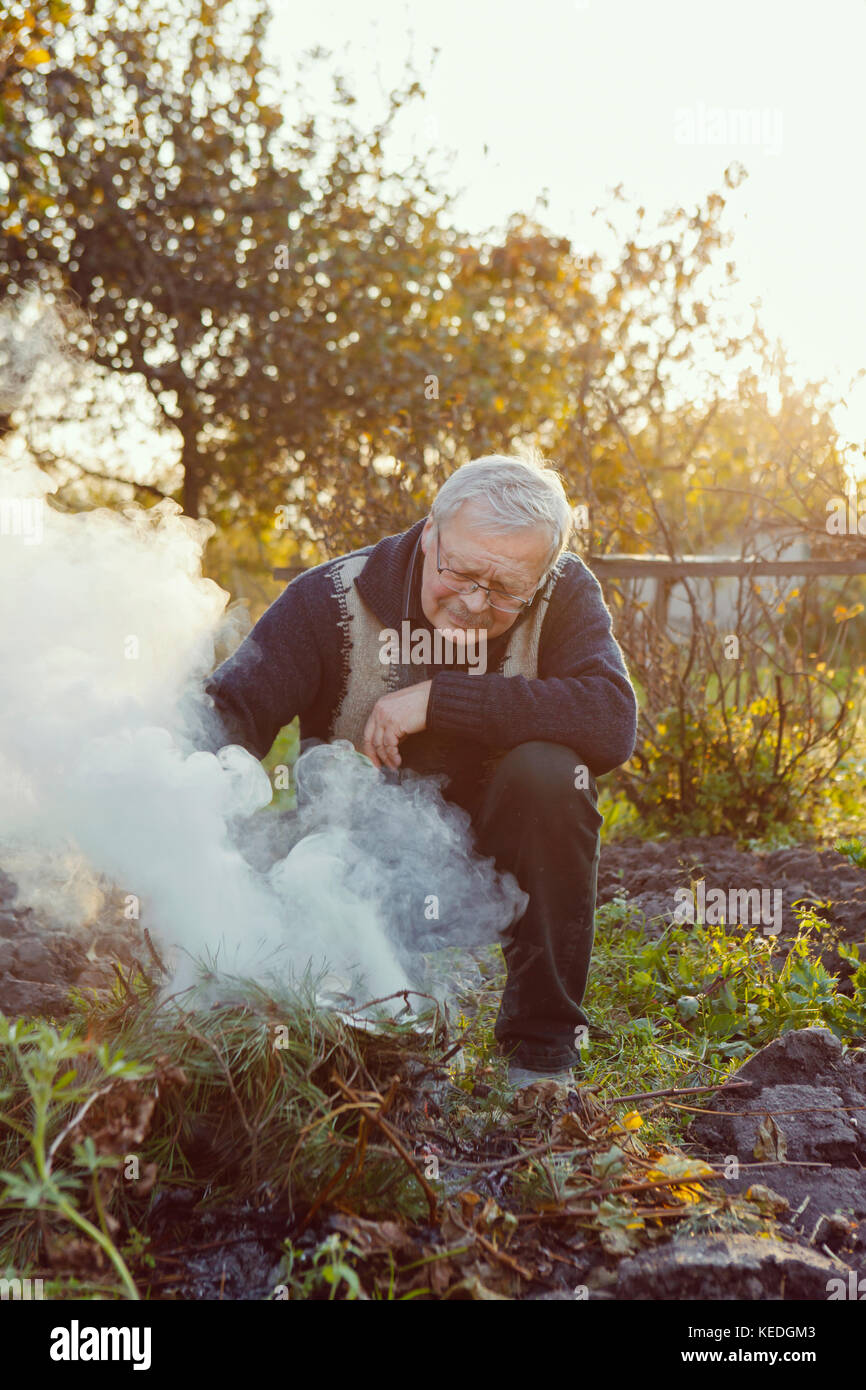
x=327, y=1268
x=855, y=851
x=48, y=1063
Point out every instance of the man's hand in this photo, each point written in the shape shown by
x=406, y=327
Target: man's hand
x=393, y=717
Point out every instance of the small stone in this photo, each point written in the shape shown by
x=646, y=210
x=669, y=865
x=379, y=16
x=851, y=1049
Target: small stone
x=727, y=1267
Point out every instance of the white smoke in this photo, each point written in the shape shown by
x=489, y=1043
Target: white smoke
x=34, y=345
x=107, y=627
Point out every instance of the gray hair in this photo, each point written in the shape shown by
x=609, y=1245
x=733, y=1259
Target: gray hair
x=515, y=492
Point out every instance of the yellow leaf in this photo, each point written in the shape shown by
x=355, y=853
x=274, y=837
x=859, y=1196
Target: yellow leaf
x=632, y=1120
x=689, y=1194
x=35, y=57
x=679, y=1166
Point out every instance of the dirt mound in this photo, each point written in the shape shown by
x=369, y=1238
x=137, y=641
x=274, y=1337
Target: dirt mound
x=806, y=1105
x=794, y=1140
x=650, y=871
x=39, y=963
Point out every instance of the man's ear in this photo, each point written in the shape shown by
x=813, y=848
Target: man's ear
x=427, y=535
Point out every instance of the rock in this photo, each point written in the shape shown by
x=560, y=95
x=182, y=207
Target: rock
x=34, y=961
x=24, y=997
x=854, y=1067
x=42, y=971
x=829, y=1191
x=8, y=888
x=805, y=1057
x=802, y=1055
x=68, y=953
x=17, y=921
x=115, y=944
x=7, y=957
x=727, y=1267
x=817, y=1134
x=809, y=1073
x=805, y=1070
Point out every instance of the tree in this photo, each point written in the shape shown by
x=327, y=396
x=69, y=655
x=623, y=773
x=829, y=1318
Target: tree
x=157, y=158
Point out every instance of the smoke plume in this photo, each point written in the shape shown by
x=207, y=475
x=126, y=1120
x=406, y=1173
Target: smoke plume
x=108, y=630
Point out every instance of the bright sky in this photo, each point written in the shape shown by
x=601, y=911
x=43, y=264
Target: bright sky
x=577, y=96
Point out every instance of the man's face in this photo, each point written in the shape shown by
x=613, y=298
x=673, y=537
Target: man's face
x=509, y=560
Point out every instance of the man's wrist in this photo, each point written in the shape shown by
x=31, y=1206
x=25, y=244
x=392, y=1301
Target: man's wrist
x=456, y=703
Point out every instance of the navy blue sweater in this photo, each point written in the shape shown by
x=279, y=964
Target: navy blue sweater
x=294, y=662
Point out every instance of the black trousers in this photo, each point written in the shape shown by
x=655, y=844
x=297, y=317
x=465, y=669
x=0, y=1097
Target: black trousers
x=529, y=815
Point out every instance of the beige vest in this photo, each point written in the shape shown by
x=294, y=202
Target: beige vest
x=368, y=678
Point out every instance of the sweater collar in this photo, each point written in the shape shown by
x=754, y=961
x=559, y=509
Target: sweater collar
x=382, y=581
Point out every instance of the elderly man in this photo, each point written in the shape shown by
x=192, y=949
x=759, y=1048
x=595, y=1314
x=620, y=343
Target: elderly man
x=522, y=707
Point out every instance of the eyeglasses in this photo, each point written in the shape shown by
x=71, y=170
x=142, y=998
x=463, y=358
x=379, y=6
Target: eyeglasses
x=462, y=584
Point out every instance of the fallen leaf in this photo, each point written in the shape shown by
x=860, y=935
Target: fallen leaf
x=472, y=1288
x=373, y=1237
x=771, y=1142
x=681, y=1167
